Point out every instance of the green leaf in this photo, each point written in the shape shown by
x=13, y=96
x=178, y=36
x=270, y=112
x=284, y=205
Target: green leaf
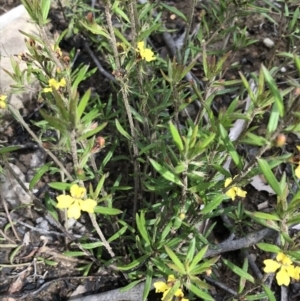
x=39, y=173
x=190, y=252
x=121, y=130
x=268, y=247
x=92, y=245
x=269, y=293
x=242, y=280
x=198, y=257
x=274, y=89
x=148, y=282
x=83, y=103
x=118, y=234
x=48, y=262
x=266, y=170
x=134, y=263
x=176, y=137
x=239, y=271
x=92, y=132
x=141, y=225
x=214, y=203
x=107, y=210
x=49, y=203
x=175, y=259
x=9, y=149
x=45, y=7
x=168, y=175
x=55, y=122
x=230, y=147
x=60, y=185
x=95, y=28
x=74, y=253
x=61, y=106
x=274, y=119
x=174, y=10
x=14, y=253
x=200, y=293
x=266, y=216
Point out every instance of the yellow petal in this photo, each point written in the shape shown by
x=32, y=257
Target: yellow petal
x=62, y=82
x=77, y=192
x=148, y=55
x=160, y=286
x=184, y=299
x=141, y=46
x=282, y=277
x=2, y=104
x=88, y=205
x=64, y=201
x=47, y=90
x=53, y=83
x=227, y=182
x=179, y=293
x=298, y=147
x=271, y=266
x=281, y=257
x=292, y=271
x=74, y=211
x=171, y=278
x=231, y=193
x=297, y=172
x=3, y=97
x=240, y=192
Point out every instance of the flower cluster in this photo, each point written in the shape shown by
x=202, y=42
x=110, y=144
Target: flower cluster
x=75, y=202
x=162, y=287
x=3, y=101
x=145, y=53
x=234, y=191
x=287, y=269
x=53, y=83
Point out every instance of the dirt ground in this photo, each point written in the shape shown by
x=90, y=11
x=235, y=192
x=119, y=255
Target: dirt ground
x=38, y=270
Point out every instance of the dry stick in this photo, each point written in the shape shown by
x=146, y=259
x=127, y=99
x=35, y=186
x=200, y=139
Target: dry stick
x=220, y=285
x=97, y=63
x=245, y=242
x=8, y=216
x=18, y=116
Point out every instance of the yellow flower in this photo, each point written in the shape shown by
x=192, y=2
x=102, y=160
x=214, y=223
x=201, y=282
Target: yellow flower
x=145, y=53
x=297, y=172
x=234, y=191
x=162, y=287
x=2, y=101
x=53, y=83
x=287, y=270
x=75, y=203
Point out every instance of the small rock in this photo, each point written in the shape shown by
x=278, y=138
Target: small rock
x=268, y=42
x=283, y=69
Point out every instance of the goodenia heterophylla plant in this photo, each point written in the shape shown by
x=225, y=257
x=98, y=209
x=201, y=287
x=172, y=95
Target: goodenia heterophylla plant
x=171, y=161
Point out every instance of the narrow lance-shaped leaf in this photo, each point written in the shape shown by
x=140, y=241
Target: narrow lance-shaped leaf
x=176, y=136
x=174, y=258
x=266, y=170
x=141, y=224
x=168, y=175
x=237, y=270
x=274, y=89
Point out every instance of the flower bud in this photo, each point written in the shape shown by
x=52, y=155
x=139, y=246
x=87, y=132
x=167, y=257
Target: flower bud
x=280, y=140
